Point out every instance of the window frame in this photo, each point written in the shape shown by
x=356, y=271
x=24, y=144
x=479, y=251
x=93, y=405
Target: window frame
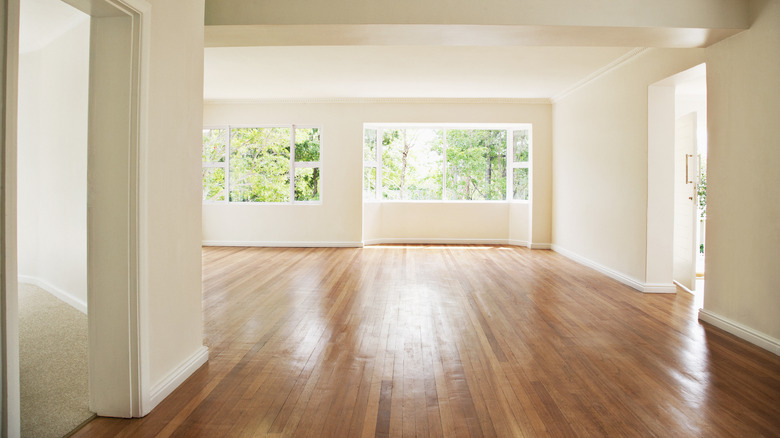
x=511, y=164
x=293, y=165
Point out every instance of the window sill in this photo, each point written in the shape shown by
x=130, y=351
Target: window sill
x=263, y=203
x=396, y=201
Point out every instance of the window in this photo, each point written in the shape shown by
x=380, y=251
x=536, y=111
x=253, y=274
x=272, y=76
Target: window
x=450, y=162
x=261, y=164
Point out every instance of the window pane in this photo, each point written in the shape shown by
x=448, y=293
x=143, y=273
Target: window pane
x=307, y=184
x=369, y=183
x=369, y=145
x=260, y=165
x=213, y=184
x=307, y=144
x=412, y=164
x=521, y=141
x=214, y=144
x=520, y=184
x=476, y=164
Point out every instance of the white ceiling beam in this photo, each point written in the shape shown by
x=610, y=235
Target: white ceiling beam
x=460, y=35
x=708, y=14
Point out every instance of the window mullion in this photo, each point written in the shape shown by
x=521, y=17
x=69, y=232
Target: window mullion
x=510, y=160
x=444, y=171
x=227, y=164
x=292, y=163
x=379, y=164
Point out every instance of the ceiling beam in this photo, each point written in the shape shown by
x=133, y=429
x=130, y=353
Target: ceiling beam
x=460, y=35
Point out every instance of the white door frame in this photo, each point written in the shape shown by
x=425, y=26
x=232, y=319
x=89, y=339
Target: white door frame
x=119, y=84
x=660, y=177
x=9, y=324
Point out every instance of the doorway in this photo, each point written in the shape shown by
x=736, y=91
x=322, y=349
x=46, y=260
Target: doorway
x=118, y=89
x=690, y=183
x=681, y=96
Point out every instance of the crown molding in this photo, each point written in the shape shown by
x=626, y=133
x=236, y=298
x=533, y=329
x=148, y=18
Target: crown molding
x=617, y=63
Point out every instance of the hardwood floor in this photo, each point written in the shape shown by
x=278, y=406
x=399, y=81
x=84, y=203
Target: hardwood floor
x=453, y=341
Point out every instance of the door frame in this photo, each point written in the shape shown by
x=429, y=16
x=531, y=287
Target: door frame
x=660, y=179
x=116, y=274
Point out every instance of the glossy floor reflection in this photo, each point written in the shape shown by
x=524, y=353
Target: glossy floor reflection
x=454, y=341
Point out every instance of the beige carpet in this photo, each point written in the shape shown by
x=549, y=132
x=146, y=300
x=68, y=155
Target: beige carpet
x=53, y=364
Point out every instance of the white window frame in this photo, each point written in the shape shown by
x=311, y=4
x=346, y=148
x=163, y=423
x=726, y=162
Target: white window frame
x=293, y=164
x=510, y=164
x=225, y=165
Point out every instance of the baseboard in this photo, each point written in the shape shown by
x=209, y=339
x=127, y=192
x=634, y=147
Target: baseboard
x=175, y=378
x=434, y=241
x=62, y=294
x=753, y=336
x=383, y=241
x=659, y=288
x=619, y=276
x=281, y=244
x=683, y=287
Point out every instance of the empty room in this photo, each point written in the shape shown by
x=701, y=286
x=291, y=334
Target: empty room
x=449, y=218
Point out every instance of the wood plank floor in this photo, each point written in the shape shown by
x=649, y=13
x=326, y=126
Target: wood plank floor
x=453, y=341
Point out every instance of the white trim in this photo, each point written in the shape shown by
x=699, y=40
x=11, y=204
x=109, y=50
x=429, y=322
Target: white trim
x=450, y=125
x=61, y=294
x=382, y=100
x=282, y=244
x=619, y=276
x=743, y=332
x=659, y=288
x=440, y=241
x=683, y=287
x=169, y=383
x=617, y=63
x=434, y=241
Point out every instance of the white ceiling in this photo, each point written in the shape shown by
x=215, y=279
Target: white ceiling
x=42, y=21
x=363, y=71
x=309, y=72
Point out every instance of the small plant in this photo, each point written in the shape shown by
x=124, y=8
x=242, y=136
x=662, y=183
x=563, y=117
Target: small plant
x=701, y=191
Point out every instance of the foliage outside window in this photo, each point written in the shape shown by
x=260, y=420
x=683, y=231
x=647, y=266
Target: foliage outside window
x=261, y=164
x=454, y=163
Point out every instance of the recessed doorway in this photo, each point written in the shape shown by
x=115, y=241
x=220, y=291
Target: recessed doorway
x=690, y=182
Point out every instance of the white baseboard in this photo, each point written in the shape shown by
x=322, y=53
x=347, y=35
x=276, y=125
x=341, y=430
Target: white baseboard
x=753, y=336
x=434, y=241
x=381, y=241
x=175, y=378
x=62, y=294
x=281, y=244
x=659, y=288
x=619, y=276
x=683, y=287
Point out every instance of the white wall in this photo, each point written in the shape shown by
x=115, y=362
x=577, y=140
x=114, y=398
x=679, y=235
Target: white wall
x=52, y=148
x=446, y=222
x=341, y=218
x=743, y=212
x=173, y=320
x=600, y=162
